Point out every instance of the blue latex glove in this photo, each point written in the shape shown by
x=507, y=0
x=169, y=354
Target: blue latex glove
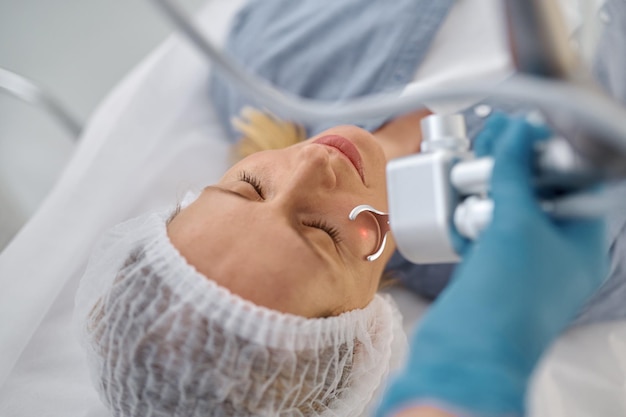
x=517, y=288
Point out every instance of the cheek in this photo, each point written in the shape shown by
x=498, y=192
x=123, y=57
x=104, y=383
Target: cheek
x=368, y=239
x=366, y=235
x=365, y=285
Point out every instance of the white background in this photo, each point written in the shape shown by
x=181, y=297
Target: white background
x=77, y=50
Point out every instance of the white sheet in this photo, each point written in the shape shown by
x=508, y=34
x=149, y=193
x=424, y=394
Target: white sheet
x=150, y=140
x=584, y=374
x=154, y=137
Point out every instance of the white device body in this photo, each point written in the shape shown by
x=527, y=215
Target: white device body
x=445, y=186
x=422, y=204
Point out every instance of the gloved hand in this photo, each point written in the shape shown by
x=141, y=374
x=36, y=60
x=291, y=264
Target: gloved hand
x=516, y=289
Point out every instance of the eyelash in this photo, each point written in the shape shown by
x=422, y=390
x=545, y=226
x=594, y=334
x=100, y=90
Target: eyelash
x=253, y=181
x=331, y=231
x=318, y=224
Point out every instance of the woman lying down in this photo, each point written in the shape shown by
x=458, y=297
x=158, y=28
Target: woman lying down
x=255, y=297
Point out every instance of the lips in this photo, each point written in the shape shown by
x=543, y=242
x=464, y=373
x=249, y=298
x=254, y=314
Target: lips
x=345, y=147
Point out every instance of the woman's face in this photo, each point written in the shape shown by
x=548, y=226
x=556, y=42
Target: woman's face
x=275, y=229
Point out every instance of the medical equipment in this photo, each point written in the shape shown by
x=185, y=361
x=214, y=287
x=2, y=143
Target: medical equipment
x=26, y=90
x=540, y=47
x=162, y=339
x=382, y=220
x=445, y=184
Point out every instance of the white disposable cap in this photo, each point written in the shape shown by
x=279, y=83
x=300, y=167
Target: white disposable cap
x=162, y=340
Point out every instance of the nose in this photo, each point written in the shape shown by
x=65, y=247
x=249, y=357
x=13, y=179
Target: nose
x=313, y=168
x=310, y=175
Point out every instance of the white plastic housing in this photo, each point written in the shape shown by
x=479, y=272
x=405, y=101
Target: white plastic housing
x=421, y=205
x=472, y=216
x=472, y=177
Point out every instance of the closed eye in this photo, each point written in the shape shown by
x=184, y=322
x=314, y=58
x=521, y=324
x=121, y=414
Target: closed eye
x=331, y=231
x=253, y=181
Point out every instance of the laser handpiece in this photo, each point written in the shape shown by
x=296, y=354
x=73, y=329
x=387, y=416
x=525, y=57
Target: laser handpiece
x=446, y=186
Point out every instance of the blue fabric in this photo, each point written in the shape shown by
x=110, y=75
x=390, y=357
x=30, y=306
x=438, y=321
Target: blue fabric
x=329, y=49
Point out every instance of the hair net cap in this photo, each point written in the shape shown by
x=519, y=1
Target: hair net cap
x=163, y=340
